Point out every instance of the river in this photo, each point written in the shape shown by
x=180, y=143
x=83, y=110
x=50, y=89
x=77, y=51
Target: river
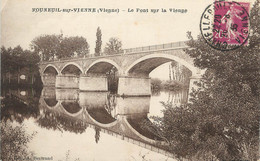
x=79, y=125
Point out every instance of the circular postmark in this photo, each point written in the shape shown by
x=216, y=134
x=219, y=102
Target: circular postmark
x=225, y=25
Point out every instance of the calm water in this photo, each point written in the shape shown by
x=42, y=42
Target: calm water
x=89, y=125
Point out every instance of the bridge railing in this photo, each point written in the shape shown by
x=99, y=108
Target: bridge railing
x=156, y=47
x=131, y=50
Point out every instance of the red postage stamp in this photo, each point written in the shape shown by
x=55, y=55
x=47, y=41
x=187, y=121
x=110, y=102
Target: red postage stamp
x=225, y=25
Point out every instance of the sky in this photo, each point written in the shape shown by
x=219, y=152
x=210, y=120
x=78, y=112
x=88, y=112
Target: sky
x=19, y=25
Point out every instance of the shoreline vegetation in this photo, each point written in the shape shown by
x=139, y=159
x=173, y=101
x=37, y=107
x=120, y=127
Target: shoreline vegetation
x=221, y=120
x=171, y=85
x=22, y=85
x=19, y=68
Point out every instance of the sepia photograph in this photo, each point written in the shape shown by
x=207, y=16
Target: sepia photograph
x=139, y=80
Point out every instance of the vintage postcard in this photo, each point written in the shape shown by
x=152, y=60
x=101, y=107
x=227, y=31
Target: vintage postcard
x=139, y=80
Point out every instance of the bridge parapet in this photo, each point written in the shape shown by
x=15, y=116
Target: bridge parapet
x=151, y=48
x=167, y=46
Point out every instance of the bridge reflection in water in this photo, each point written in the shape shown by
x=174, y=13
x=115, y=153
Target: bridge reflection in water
x=116, y=116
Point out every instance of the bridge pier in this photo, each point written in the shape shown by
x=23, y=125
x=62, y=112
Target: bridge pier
x=93, y=83
x=93, y=99
x=139, y=105
x=67, y=81
x=67, y=94
x=134, y=86
x=48, y=80
x=48, y=92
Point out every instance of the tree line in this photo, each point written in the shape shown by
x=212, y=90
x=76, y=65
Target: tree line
x=179, y=73
x=53, y=47
x=18, y=65
x=17, y=62
x=179, y=78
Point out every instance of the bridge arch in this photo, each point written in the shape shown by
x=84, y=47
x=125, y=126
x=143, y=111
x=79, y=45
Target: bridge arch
x=50, y=107
x=72, y=63
x=102, y=66
x=146, y=64
x=70, y=113
x=51, y=65
x=145, y=138
x=99, y=123
x=50, y=102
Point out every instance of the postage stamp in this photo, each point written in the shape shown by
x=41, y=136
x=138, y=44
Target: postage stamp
x=225, y=25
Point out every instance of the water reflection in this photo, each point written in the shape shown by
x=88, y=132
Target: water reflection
x=68, y=95
x=132, y=106
x=56, y=111
x=172, y=97
x=176, y=98
x=74, y=111
x=18, y=106
x=120, y=115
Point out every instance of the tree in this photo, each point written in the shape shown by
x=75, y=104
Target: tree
x=50, y=47
x=114, y=46
x=47, y=46
x=170, y=71
x=180, y=73
x=6, y=64
x=186, y=75
x=14, y=142
x=222, y=120
x=156, y=84
x=60, y=122
x=98, y=42
x=172, y=67
x=31, y=68
x=73, y=47
x=112, y=79
x=97, y=133
x=17, y=61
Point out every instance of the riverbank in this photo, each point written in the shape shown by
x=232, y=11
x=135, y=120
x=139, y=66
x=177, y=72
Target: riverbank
x=157, y=84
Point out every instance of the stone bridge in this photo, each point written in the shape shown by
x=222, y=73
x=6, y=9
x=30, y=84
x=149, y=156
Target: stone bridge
x=132, y=65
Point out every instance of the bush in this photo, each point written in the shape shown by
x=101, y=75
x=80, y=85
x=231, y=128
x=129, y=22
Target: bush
x=172, y=85
x=156, y=84
x=14, y=142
